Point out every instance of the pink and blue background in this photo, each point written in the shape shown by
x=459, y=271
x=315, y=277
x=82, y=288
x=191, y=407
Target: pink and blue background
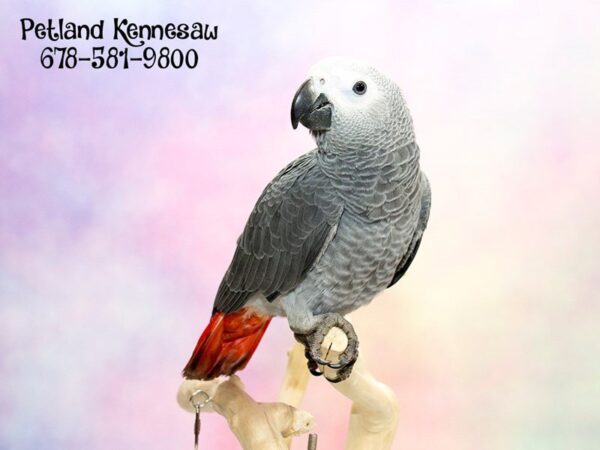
x=122, y=194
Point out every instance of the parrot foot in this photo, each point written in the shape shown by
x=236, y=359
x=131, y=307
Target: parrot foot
x=342, y=373
x=313, y=342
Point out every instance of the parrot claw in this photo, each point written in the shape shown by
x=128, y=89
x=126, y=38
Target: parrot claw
x=314, y=342
x=313, y=367
x=341, y=374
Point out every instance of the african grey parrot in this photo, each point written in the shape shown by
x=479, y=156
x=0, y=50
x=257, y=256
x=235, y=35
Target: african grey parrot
x=333, y=229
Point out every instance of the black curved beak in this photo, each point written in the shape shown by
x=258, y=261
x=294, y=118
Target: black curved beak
x=311, y=109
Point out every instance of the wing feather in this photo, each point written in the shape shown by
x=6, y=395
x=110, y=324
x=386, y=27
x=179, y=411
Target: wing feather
x=291, y=224
x=418, y=234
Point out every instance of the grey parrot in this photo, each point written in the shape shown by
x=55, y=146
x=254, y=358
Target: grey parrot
x=333, y=229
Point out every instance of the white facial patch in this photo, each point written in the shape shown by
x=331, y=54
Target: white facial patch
x=336, y=78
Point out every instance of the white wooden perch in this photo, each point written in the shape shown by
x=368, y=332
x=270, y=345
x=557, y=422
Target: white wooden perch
x=269, y=426
x=256, y=425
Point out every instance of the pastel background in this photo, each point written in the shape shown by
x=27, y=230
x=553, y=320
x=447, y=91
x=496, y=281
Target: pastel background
x=122, y=194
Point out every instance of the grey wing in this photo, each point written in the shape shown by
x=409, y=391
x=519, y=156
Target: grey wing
x=408, y=258
x=292, y=222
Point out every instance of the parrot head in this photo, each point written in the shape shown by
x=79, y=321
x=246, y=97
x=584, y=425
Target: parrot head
x=349, y=102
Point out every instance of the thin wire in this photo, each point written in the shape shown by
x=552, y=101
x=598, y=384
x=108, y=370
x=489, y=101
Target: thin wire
x=197, y=406
x=326, y=355
x=197, y=428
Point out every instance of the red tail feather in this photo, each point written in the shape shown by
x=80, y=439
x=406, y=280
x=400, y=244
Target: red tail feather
x=227, y=344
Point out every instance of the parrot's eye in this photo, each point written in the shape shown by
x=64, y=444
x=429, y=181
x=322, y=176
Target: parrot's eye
x=360, y=87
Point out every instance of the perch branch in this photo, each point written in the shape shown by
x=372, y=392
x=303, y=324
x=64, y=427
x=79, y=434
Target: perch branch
x=257, y=426
x=374, y=414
